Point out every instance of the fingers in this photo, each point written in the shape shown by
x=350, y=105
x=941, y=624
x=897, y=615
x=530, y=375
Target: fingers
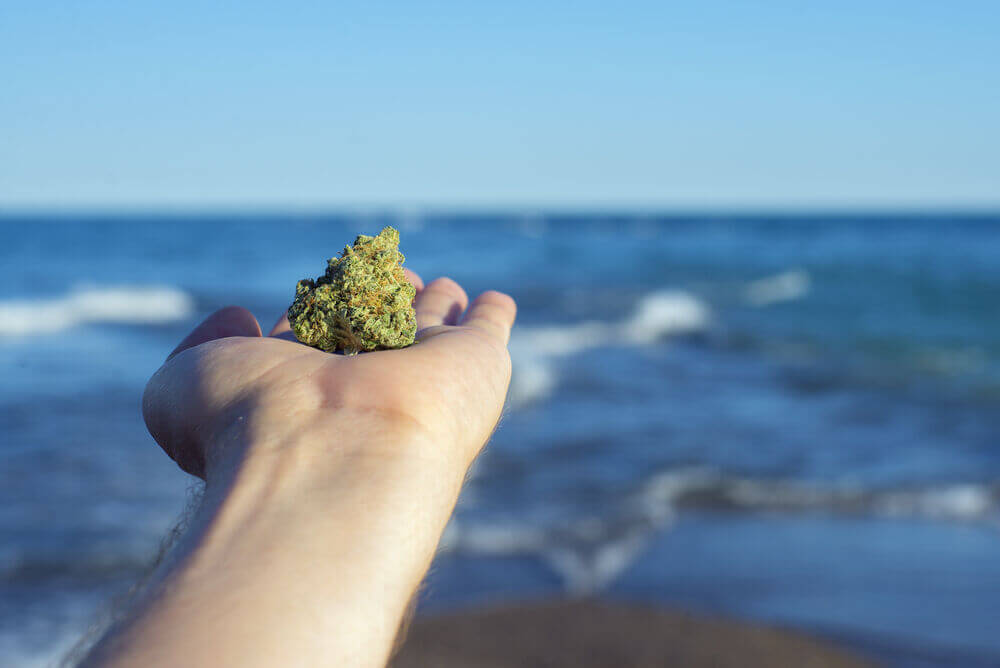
x=414, y=279
x=441, y=302
x=492, y=312
x=282, y=329
x=228, y=321
x=281, y=326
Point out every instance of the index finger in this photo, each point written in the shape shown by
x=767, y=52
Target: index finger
x=414, y=279
x=226, y=322
x=492, y=312
x=281, y=327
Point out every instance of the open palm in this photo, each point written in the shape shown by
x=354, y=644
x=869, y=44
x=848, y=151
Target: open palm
x=226, y=383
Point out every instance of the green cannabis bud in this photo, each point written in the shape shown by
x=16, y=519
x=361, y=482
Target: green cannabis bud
x=362, y=302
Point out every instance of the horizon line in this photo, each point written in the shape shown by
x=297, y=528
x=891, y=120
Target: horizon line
x=526, y=209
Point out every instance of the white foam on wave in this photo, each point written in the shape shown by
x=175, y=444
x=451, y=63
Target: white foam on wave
x=111, y=304
x=656, y=316
x=587, y=553
x=565, y=340
x=955, y=502
x=662, y=314
x=495, y=539
x=590, y=552
x=963, y=502
x=657, y=497
x=585, y=573
x=533, y=378
x=786, y=286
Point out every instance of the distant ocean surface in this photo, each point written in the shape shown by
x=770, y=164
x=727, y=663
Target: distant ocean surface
x=787, y=419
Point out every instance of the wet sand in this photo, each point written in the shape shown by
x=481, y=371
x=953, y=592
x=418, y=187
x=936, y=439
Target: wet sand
x=586, y=634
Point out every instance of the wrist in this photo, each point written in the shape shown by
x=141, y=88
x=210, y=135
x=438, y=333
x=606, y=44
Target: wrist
x=294, y=454
x=339, y=530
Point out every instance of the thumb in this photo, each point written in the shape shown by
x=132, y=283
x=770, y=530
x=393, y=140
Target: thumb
x=228, y=321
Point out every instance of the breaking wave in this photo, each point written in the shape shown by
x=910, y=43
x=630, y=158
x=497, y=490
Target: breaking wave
x=589, y=552
x=656, y=316
x=112, y=304
x=706, y=489
x=783, y=287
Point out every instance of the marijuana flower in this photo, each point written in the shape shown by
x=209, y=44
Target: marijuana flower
x=362, y=302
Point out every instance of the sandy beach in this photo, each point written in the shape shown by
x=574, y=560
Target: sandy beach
x=592, y=634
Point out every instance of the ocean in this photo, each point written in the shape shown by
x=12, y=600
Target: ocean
x=788, y=419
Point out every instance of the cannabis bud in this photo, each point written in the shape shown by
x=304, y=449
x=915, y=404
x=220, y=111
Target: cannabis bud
x=362, y=302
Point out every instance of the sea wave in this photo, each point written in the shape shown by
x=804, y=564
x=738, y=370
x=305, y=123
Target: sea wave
x=589, y=552
x=129, y=304
x=81, y=566
x=700, y=488
x=655, y=317
x=786, y=286
x=28, y=646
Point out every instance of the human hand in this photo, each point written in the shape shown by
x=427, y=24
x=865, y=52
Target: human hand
x=329, y=480
x=227, y=392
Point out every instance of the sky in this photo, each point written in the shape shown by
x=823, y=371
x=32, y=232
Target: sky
x=714, y=105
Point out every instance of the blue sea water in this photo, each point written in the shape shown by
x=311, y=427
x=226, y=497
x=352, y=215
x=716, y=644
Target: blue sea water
x=792, y=419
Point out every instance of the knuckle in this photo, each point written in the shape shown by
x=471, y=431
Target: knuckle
x=496, y=298
x=493, y=312
x=448, y=286
x=443, y=283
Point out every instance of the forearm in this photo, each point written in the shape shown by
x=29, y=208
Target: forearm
x=303, y=552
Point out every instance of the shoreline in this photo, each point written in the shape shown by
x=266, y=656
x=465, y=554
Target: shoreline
x=592, y=633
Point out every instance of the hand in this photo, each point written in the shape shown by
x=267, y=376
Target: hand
x=227, y=392
x=329, y=480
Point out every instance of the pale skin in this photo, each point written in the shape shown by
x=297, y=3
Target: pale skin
x=328, y=482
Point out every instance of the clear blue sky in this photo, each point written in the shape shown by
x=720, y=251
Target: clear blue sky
x=576, y=104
